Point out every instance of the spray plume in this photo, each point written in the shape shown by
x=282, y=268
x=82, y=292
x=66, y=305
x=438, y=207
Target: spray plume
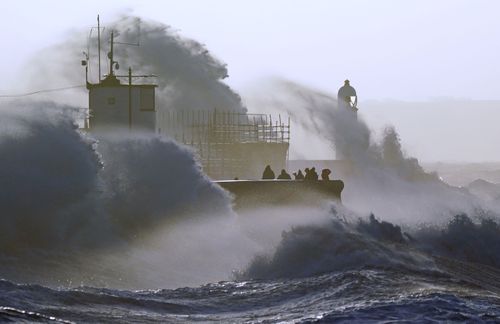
x=380, y=177
x=188, y=76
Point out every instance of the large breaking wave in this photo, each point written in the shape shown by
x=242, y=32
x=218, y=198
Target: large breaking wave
x=66, y=195
x=60, y=185
x=47, y=169
x=340, y=245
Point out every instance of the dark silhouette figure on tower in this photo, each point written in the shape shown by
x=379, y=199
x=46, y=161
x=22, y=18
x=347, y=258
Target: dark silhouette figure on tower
x=344, y=97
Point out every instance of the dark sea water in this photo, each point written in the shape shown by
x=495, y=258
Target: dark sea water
x=333, y=272
x=357, y=295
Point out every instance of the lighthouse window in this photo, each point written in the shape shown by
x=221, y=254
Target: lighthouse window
x=111, y=100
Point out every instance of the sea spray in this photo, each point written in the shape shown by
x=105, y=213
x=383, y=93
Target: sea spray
x=381, y=178
x=149, y=179
x=69, y=201
x=338, y=245
x=47, y=168
x=188, y=76
x=118, y=209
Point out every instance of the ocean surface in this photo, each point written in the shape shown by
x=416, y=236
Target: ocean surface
x=362, y=295
x=336, y=272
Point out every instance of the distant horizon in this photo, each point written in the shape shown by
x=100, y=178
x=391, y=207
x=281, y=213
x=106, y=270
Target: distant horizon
x=424, y=162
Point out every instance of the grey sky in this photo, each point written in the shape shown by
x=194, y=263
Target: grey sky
x=390, y=49
x=403, y=50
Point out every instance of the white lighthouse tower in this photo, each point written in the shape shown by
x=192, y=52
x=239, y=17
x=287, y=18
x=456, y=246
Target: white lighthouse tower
x=114, y=104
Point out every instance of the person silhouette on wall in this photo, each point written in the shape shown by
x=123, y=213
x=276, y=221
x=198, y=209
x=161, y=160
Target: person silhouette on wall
x=314, y=174
x=299, y=175
x=311, y=174
x=307, y=174
x=325, y=174
x=284, y=175
x=268, y=173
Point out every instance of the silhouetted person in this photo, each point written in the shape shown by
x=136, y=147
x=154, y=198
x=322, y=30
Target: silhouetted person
x=307, y=174
x=325, y=174
x=268, y=173
x=311, y=174
x=299, y=175
x=284, y=175
x=344, y=97
x=314, y=174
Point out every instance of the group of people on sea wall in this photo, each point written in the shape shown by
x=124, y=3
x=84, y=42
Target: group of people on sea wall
x=310, y=174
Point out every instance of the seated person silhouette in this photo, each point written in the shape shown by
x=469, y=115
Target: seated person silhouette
x=284, y=175
x=299, y=175
x=325, y=174
x=268, y=173
x=311, y=174
x=314, y=174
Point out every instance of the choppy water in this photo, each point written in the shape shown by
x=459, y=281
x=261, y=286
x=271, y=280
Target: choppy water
x=357, y=295
x=333, y=272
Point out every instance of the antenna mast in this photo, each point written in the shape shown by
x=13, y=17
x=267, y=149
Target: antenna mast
x=111, y=62
x=99, y=45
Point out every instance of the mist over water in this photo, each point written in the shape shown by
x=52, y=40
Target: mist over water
x=146, y=178
x=380, y=176
x=69, y=194
x=118, y=209
x=339, y=244
x=136, y=211
x=396, y=215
